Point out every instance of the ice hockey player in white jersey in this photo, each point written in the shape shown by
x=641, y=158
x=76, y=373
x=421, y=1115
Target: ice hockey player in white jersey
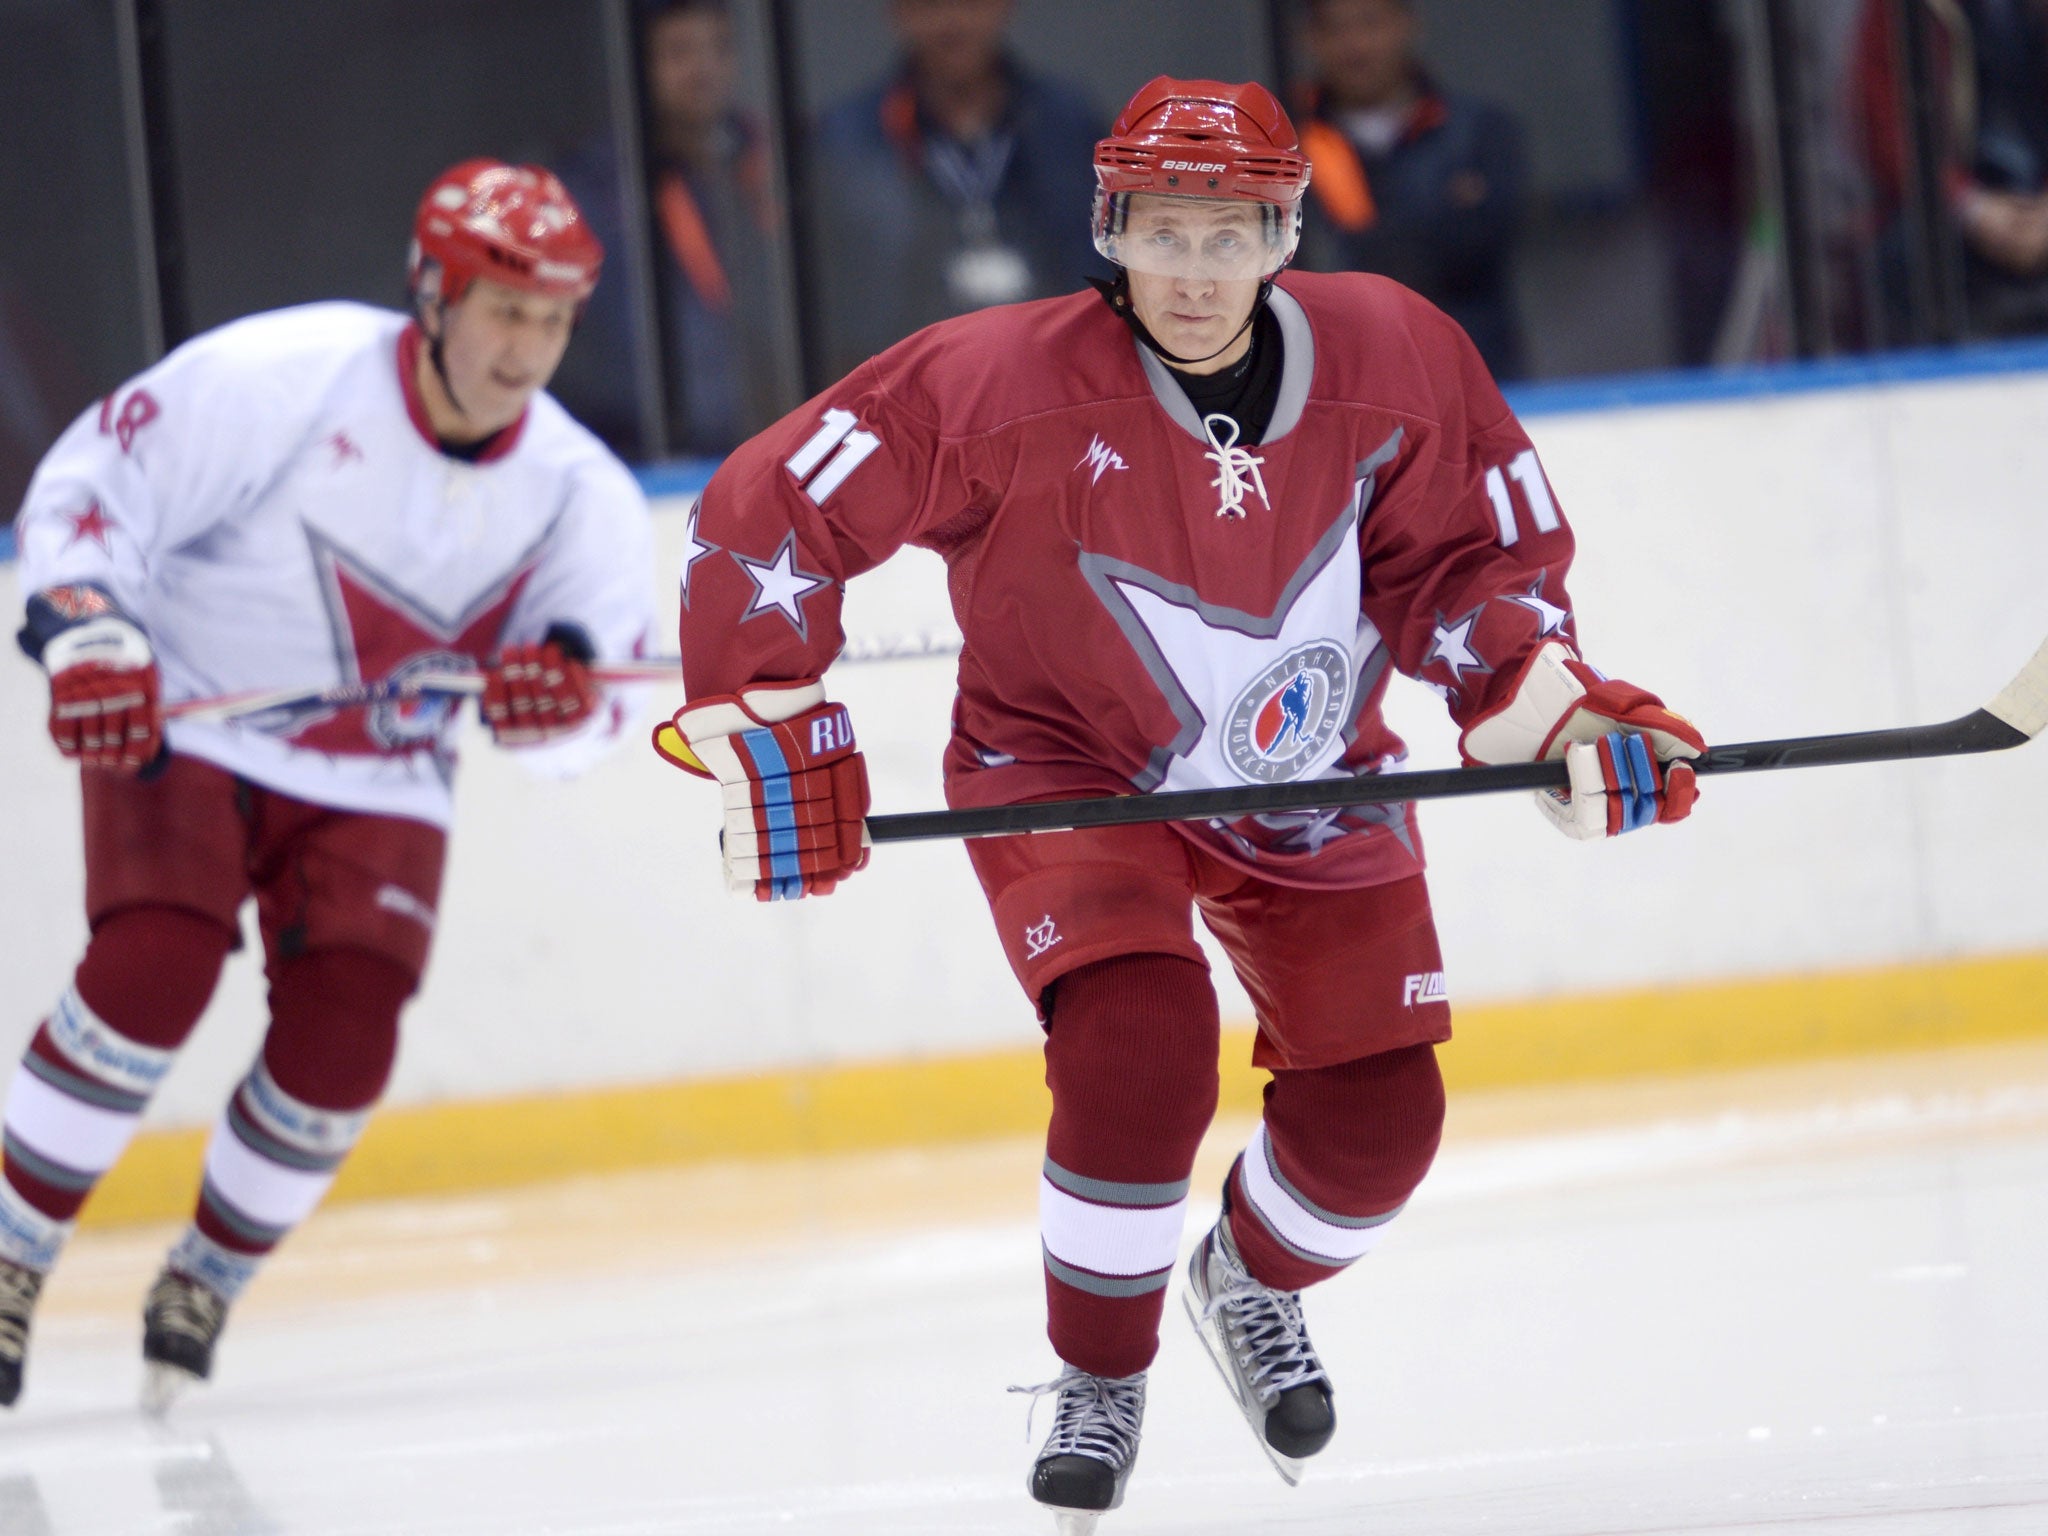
x=331, y=494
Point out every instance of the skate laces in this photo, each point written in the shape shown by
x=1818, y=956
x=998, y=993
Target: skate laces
x=1098, y=1416
x=1237, y=469
x=19, y=1288
x=181, y=1306
x=1266, y=1330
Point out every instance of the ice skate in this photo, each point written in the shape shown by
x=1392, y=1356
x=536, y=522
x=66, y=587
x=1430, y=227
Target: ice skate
x=1261, y=1346
x=181, y=1321
x=19, y=1288
x=1093, y=1444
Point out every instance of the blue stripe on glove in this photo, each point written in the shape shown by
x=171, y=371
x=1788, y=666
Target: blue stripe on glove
x=776, y=803
x=1635, y=779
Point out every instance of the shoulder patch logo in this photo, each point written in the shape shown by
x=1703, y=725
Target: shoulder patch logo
x=1103, y=457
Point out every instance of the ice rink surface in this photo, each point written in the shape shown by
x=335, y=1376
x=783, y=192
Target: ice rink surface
x=1800, y=1300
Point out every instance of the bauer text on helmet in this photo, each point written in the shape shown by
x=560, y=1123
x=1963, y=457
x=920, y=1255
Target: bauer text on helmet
x=1200, y=142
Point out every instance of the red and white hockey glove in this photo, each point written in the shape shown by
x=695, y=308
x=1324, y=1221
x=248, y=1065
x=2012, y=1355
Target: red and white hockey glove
x=105, y=693
x=796, y=786
x=533, y=693
x=1626, y=753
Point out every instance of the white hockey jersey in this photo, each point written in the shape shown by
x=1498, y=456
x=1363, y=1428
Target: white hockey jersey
x=269, y=504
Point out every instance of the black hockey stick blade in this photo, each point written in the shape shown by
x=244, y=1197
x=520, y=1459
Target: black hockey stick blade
x=2017, y=715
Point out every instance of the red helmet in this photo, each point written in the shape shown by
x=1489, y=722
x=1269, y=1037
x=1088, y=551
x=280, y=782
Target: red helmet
x=1203, y=139
x=515, y=225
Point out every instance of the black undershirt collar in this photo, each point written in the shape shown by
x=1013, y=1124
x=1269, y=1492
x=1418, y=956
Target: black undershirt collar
x=471, y=453
x=1248, y=390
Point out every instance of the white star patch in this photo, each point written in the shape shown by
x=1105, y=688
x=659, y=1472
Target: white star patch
x=694, y=549
x=1550, y=619
x=780, y=586
x=1452, y=645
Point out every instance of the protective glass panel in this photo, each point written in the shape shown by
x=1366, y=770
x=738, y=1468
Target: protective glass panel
x=949, y=160
x=71, y=308
x=306, y=134
x=1571, y=181
x=717, y=222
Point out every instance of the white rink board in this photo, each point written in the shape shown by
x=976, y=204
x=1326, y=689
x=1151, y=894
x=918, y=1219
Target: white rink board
x=1831, y=561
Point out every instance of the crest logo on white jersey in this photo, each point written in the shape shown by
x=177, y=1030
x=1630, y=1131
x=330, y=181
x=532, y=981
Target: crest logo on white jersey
x=1290, y=713
x=1103, y=457
x=1424, y=987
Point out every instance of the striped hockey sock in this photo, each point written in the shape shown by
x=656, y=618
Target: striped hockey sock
x=269, y=1162
x=1131, y=1060
x=73, y=1104
x=1340, y=1150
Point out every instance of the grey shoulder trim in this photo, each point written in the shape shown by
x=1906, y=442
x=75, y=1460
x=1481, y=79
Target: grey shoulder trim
x=1297, y=364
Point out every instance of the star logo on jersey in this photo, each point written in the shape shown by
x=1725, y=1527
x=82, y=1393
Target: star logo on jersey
x=1102, y=457
x=694, y=549
x=384, y=633
x=91, y=523
x=1451, y=644
x=1550, y=619
x=779, y=587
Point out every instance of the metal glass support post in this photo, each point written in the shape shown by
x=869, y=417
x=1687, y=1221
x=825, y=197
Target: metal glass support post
x=1806, y=281
x=1934, y=269
x=152, y=173
x=629, y=127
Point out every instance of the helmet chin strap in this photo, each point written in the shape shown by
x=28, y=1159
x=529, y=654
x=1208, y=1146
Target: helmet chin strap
x=434, y=354
x=1118, y=294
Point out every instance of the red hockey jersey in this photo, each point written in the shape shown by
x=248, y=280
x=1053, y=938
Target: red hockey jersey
x=1127, y=627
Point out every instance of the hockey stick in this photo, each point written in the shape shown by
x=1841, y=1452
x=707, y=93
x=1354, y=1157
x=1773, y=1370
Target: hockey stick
x=2017, y=715
x=910, y=647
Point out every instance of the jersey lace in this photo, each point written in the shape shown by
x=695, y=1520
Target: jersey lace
x=1237, y=469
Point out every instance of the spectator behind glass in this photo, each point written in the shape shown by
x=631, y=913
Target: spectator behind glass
x=716, y=228
x=961, y=181
x=1989, y=63
x=1410, y=181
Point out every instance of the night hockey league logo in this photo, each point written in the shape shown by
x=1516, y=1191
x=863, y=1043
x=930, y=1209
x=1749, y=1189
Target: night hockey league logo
x=1282, y=723
x=409, y=724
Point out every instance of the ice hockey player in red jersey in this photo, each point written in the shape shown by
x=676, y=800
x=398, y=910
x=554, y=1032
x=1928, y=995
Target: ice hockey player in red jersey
x=1192, y=522
x=332, y=494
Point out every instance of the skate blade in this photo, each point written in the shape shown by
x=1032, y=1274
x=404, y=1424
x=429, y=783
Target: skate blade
x=163, y=1385
x=1288, y=1467
x=1075, y=1522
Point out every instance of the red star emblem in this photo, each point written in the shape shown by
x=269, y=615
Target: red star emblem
x=382, y=632
x=90, y=524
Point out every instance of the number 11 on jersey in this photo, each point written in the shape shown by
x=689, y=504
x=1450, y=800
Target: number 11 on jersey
x=841, y=431
x=1528, y=474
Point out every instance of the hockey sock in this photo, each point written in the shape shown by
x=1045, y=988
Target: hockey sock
x=1337, y=1155
x=299, y=1112
x=87, y=1075
x=1130, y=1057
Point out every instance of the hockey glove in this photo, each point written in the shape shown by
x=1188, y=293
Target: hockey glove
x=1626, y=753
x=796, y=786
x=105, y=693
x=533, y=693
